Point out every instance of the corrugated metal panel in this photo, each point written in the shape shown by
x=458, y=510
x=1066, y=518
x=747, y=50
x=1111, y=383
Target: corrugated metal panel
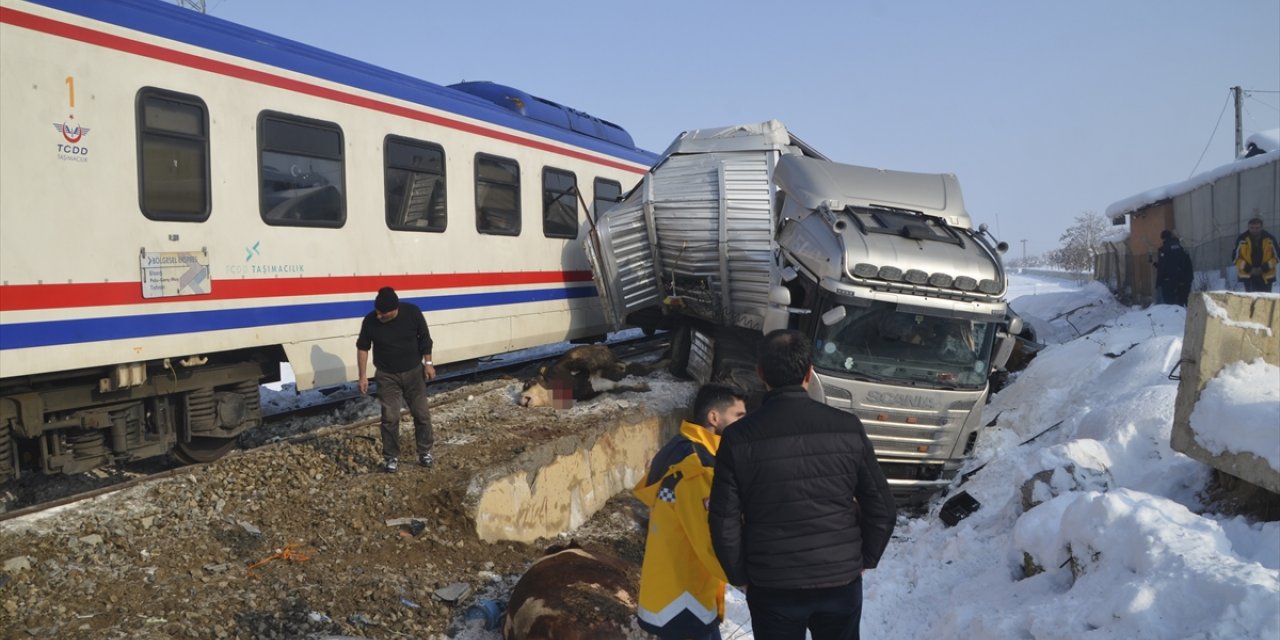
x=705, y=202
x=625, y=271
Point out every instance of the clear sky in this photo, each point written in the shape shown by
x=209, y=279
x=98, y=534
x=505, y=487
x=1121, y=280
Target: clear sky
x=1043, y=109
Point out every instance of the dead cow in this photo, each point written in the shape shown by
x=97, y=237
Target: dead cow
x=573, y=593
x=581, y=373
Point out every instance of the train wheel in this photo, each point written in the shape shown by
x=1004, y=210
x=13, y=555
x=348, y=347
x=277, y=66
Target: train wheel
x=203, y=449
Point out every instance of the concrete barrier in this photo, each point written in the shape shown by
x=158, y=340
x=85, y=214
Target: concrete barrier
x=557, y=486
x=1224, y=328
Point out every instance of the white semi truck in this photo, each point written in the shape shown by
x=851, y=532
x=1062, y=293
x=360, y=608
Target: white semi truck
x=741, y=230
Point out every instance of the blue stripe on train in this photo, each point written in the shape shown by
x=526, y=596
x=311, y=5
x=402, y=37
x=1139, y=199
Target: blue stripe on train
x=59, y=332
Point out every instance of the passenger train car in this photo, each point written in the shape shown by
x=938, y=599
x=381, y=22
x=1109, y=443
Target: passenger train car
x=185, y=203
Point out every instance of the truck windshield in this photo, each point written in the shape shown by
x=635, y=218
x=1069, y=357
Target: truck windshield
x=882, y=343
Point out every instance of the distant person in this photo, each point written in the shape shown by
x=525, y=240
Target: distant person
x=401, y=344
x=681, y=582
x=1256, y=257
x=1173, y=270
x=799, y=505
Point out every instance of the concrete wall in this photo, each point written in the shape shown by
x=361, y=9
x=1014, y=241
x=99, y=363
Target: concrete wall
x=556, y=487
x=1211, y=343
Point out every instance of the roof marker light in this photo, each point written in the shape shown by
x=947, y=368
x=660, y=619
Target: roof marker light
x=864, y=270
x=941, y=280
x=890, y=273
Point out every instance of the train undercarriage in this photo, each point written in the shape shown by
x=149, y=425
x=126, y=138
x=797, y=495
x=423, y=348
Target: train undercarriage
x=72, y=422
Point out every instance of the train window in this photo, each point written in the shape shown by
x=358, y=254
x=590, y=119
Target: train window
x=559, y=204
x=607, y=193
x=497, y=195
x=414, y=181
x=173, y=156
x=300, y=167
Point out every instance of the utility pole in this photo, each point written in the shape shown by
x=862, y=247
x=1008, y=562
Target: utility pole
x=1239, y=97
x=1024, y=252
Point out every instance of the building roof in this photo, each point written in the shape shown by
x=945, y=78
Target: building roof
x=1268, y=141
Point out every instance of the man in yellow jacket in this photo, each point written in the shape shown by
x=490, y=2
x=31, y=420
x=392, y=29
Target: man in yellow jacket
x=681, y=582
x=1256, y=257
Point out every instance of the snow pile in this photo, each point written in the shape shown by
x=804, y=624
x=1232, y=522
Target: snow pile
x=1239, y=411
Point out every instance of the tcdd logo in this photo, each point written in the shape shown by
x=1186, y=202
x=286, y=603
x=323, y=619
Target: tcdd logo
x=72, y=132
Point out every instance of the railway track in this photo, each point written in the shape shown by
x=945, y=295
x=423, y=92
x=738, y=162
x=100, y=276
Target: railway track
x=40, y=493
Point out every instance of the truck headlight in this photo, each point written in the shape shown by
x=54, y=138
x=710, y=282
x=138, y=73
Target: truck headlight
x=965, y=283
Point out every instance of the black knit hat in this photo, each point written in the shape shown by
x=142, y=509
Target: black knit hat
x=387, y=300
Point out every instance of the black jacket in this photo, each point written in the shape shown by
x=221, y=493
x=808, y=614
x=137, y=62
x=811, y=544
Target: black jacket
x=1173, y=265
x=398, y=346
x=798, y=499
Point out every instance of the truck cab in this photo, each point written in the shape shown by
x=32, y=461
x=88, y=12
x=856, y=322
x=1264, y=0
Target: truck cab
x=741, y=230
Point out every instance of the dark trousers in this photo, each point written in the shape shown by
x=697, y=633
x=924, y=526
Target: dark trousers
x=408, y=388
x=713, y=634
x=1175, y=293
x=1256, y=283
x=832, y=613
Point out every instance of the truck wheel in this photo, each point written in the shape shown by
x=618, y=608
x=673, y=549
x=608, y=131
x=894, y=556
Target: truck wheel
x=735, y=363
x=680, y=342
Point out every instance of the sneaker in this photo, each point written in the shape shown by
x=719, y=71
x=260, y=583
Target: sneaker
x=391, y=465
x=426, y=460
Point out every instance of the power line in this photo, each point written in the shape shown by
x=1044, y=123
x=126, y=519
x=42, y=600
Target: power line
x=1263, y=103
x=1215, y=132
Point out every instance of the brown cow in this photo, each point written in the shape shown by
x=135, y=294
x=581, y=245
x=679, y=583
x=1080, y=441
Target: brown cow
x=581, y=373
x=573, y=593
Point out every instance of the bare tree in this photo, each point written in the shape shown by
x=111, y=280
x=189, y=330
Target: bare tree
x=1081, y=242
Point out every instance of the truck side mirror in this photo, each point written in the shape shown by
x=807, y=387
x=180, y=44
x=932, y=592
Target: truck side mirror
x=780, y=296
x=1015, y=325
x=833, y=315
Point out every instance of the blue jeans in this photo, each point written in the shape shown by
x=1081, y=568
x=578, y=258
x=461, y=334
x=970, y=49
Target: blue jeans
x=831, y=613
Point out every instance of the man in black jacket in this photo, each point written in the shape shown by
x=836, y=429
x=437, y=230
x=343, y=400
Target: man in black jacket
x=401, y=343
x=1173, y=270
x=799, y=507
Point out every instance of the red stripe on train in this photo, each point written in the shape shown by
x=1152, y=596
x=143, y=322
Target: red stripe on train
x=106, y=40
x=24, y=297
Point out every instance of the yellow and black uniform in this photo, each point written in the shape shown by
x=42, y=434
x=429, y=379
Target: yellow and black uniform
x=1260, y=253
x=681, y=582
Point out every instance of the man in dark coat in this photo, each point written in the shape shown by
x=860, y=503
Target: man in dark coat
x=1173, y=270
x=401, y=343
x=799, y=507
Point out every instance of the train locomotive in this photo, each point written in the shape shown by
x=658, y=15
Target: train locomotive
x=187, y=202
